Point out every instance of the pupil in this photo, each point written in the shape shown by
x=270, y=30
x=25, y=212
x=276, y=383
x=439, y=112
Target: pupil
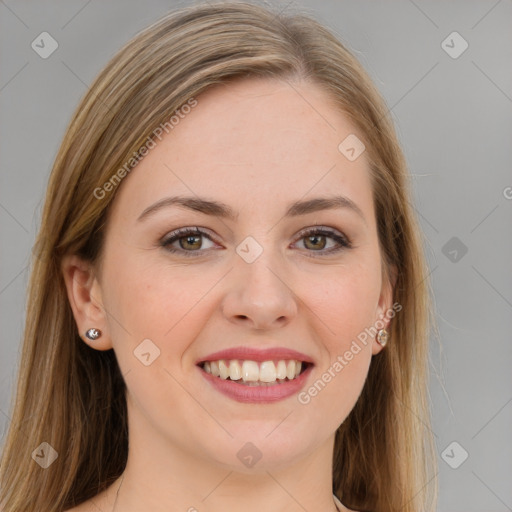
x=190, y=239
x=315, y=239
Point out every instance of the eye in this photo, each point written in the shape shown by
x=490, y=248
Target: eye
x=316, y=238
x=189, y=240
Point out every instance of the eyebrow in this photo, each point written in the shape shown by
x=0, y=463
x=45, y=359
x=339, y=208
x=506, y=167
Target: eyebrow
x=219, y=209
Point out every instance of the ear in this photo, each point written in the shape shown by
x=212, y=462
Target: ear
x=84, y=294
x=385, y=304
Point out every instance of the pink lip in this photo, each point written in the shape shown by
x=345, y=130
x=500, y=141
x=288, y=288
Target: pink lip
x=258, y=355
x=257, y=394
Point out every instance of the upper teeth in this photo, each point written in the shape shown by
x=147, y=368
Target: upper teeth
x=251, y=371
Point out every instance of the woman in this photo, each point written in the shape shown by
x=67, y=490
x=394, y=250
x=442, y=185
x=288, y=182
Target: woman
x=228, y=305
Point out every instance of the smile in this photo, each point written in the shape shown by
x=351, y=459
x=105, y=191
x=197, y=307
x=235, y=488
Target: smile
x=250, y=382
x=253, y=373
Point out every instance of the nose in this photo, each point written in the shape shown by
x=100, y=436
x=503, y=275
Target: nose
x=259, y=295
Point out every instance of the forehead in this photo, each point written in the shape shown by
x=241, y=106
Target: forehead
x=253, y=144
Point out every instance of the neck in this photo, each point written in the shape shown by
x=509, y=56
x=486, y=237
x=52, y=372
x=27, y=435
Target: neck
x=166, y=470
x=252, y=496
x=171, y=479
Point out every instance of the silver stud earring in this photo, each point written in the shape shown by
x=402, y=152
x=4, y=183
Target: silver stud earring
x=93, y=334
x=383, y=337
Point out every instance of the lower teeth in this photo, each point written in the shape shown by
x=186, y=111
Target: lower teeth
x=258, y=383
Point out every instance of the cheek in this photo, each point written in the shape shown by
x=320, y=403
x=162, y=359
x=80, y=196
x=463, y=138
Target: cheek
x=344, y=310
x=345, y=303
x=157, y=302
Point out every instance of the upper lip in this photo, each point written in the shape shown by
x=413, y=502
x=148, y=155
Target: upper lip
x=256, y=354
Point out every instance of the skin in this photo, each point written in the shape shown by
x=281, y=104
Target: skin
x=256, y=145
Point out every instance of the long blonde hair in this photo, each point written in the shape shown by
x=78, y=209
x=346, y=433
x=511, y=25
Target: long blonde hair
x=73, y=397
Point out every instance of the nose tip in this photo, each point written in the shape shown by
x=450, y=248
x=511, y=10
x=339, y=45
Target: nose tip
x=257, y=294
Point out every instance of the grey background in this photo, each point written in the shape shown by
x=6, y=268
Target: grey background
x=453, y=116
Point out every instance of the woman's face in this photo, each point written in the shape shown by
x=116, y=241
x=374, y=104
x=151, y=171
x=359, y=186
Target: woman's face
x=252, y=281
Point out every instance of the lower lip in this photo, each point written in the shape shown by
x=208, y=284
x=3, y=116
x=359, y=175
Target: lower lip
x=258, y=394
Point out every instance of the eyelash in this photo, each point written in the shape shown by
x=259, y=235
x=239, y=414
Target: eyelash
x=344, y=242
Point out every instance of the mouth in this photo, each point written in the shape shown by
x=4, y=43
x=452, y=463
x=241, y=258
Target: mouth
x=253, y=373
x=256, y=382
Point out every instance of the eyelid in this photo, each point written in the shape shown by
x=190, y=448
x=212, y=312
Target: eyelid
x=179, y=233
x=324, y=230
x=343, y=241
